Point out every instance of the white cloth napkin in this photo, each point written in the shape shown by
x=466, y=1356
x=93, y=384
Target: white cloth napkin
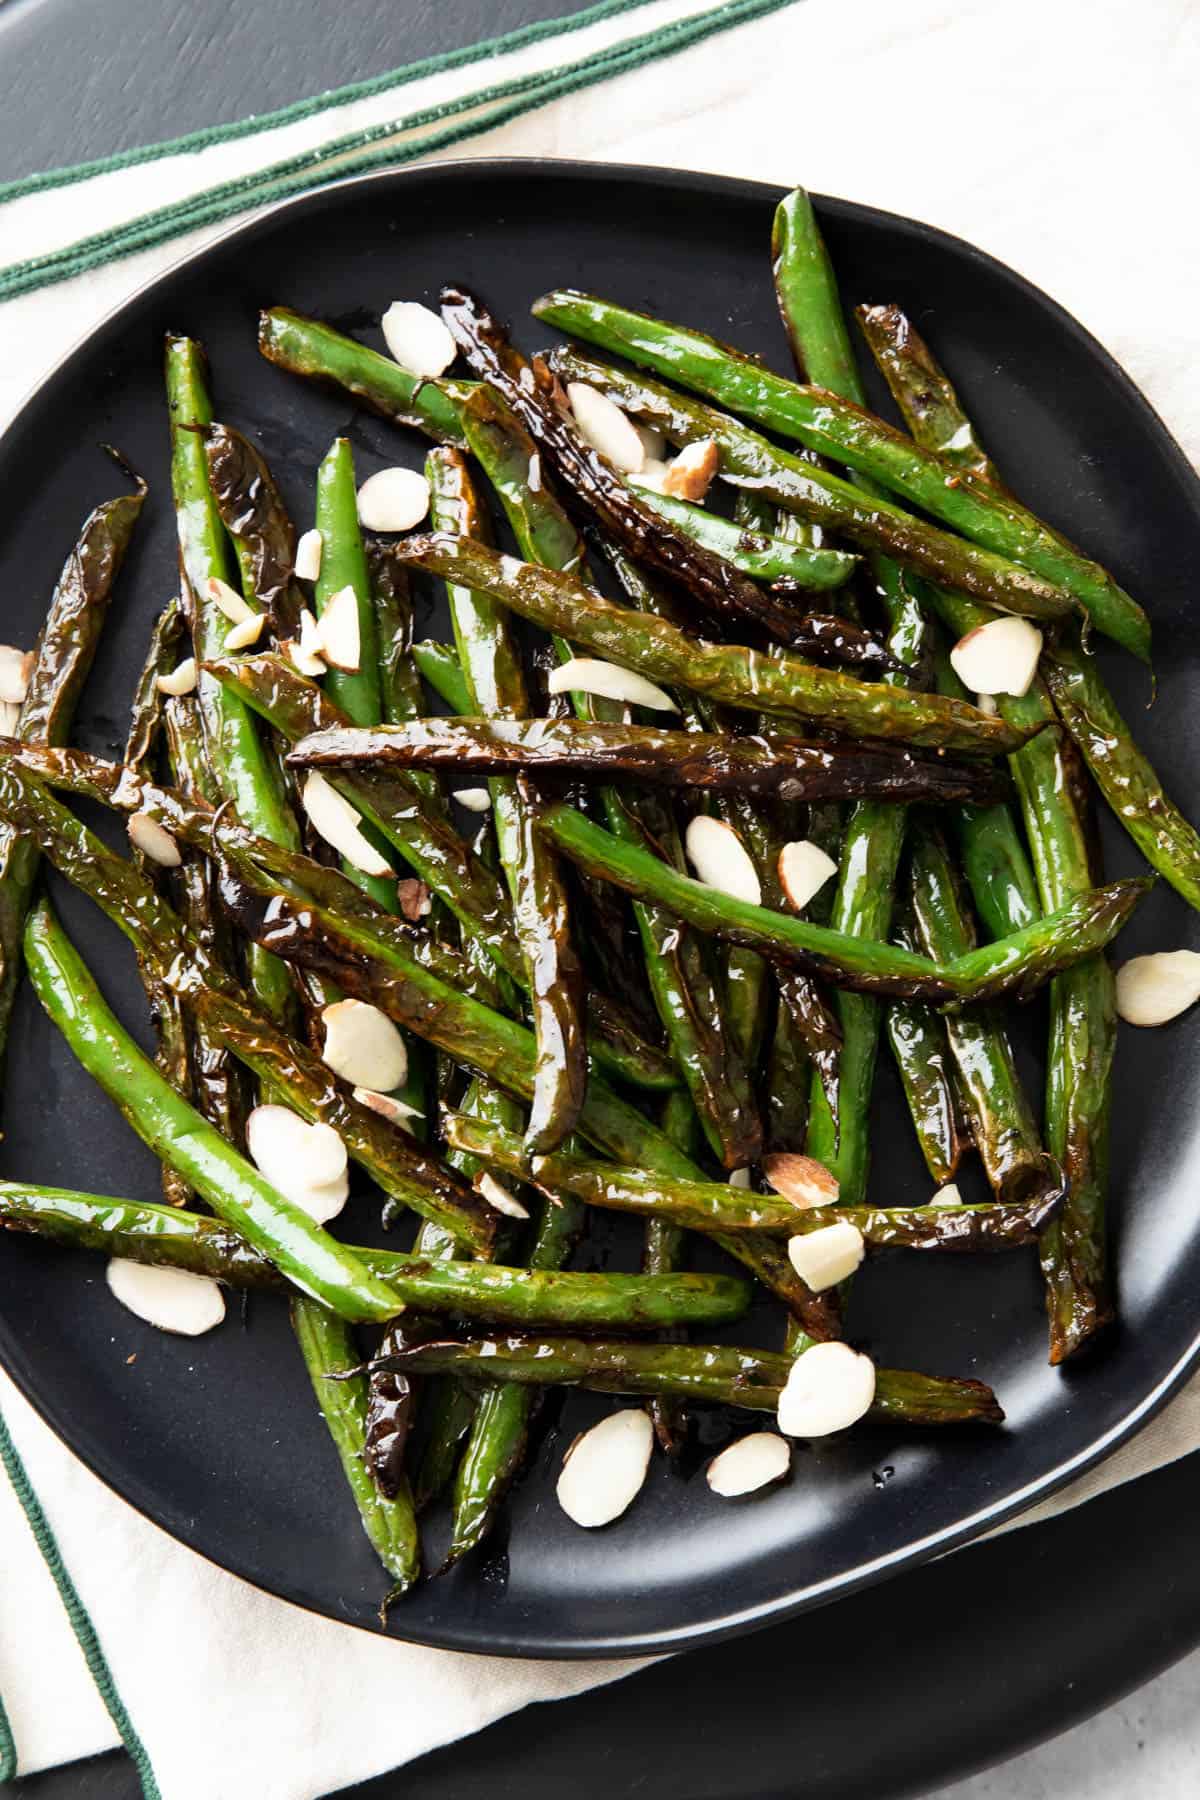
x=1056, y=134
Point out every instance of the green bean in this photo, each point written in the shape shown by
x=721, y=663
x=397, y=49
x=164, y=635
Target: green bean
x=728, y=1376
x=62, y=659
x=241, y=764
x=799, y=484
x=252, y=511
x=713, y=761
x=328, y=1348
x=1019, y=963
x=496, y=683
x=843, y=430
x=728, y=673
x=317, y=351
x=757, y=553
x=440, y=667
x=235, y=1190
x=1002, y=1121
x=344, y=564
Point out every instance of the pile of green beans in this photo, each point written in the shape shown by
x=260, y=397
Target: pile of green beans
x=705, y=1061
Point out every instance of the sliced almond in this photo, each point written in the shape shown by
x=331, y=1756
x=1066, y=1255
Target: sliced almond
x=1153, y=989
x=363, y=1046
x=591, y=675
x=499, y=1197
x=396, y=1112
x=10, y=714
x=752, y=1463
x=652, y=475
x=417, y=338
x=476, y=800
x=393, y=500
x=740, y=1178
x=305, y=1163
x=831, y=1254
x=1000, y=657
x=829, y=1387
x=987, y=704
x=721, y=860
x=228, y=600
x=16, y=666
x=691, y=474
x=338, y=631
x=322, y=1200
x=333, y=818
x=173, y=1299
x=800, y=1179
x=181, y=680
x=605, y=427
x=415, y=899
x=153, y=840
x=603, y=1471
x=654, y=444
x=240, y=637
x=947, y=1196
x=804, y=869
x=308, y=555
x=305, y=651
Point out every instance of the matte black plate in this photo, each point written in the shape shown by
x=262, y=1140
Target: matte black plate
x=218, y=1441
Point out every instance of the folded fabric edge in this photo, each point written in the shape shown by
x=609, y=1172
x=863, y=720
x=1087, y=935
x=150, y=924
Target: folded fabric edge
x=297, y=174
x=80, y=1621
x=327, y=101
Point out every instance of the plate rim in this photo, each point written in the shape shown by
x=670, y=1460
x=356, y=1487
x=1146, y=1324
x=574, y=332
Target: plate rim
x=795, y=1600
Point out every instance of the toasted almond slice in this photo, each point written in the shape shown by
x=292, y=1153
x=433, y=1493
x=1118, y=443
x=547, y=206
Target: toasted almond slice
x=228, y=600
x=417, y=338
x=338, y=631
x=305, y=651
x=1153, y=989
x=947, y=1196
x=1000, y=657
x=721, y=860
x=605, y=427
x=181, y=680
x=740, y=1178
x=414, y=898
x=800, y=1179
x=654, y=444
x=16, y=666
x=393, y=500
x=333, y=818
x=752, y=1463
x=823, y=1258
x=153, y=840
x=474, y=799
x=691, y=474
x=173, y=1299
x=498, y=1196
x=603, y=1471
x=363, y=1046
x=240, y=637
x=804, y=869
x=987, y=704
x=396, y=1112
x=308, y=555
x=652, y=475
x=829, y=1387
x=10, y=714
x=591, y=675
x=295, y=1157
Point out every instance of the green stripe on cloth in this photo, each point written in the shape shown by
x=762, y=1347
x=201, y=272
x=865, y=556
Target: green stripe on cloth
x=352, y=155
x=8, y=1749
x=403, y=76
x=81, y=1624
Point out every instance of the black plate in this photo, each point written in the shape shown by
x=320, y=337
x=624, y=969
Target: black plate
x=218, y=1441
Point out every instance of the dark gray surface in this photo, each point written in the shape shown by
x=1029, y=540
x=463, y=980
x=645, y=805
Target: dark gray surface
x=86, y=78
